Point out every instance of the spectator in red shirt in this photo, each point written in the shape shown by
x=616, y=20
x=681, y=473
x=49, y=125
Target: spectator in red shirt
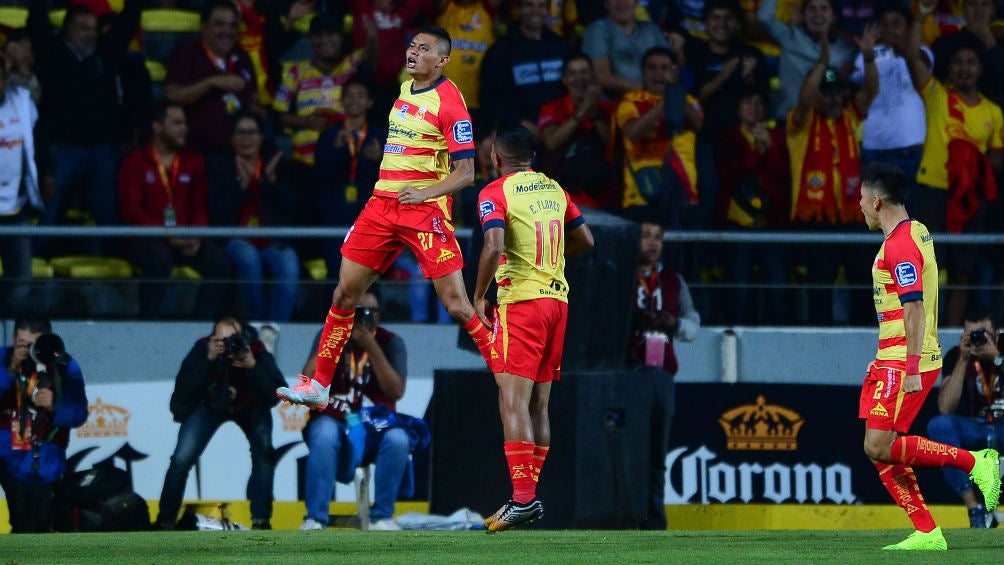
x=212, y=78
x=575, y=131
x=164, y=184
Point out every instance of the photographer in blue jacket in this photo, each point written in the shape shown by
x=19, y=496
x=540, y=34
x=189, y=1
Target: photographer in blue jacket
x=42, y=398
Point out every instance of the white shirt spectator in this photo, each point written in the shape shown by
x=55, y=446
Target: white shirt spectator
x=17, y=118
x=896, y=118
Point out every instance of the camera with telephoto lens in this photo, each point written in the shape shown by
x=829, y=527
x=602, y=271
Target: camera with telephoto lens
x=235, y=345
x=978, y=338
x=48, y=349
x=364, y=317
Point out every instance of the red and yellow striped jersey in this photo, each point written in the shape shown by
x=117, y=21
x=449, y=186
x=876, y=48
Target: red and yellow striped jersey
x=905, y=270
x=428, y=128
x=534, y=211
x=949, y=117
x=306, y=90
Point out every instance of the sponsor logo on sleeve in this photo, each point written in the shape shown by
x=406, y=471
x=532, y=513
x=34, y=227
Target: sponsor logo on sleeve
x=486, y=207
x=906, y=274
x=463, y=132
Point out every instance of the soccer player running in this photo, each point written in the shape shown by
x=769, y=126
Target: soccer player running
x=530, y=225
x=906, y=367
x=429, y=128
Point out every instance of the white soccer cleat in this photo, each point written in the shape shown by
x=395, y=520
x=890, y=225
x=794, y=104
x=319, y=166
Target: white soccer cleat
x=307, y=392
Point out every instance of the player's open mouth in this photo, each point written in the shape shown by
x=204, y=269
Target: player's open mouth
x=410, y=63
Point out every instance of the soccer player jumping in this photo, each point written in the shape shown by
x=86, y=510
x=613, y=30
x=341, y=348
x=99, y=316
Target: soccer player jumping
x=530, y=225
x=429, y=128
x=906, y=367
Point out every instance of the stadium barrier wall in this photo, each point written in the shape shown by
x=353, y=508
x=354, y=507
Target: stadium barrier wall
x=130, y=367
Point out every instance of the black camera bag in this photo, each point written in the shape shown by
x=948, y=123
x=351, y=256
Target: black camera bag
x=99, y=500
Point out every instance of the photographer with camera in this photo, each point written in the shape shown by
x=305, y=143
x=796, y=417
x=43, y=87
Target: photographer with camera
x=971, y=405
x=227, y=376
x=42, y=397
x=345, y=435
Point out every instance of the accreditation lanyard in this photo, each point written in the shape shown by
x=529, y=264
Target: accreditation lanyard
x=21, y=426
x=222, y=63
x=650, y=285
x=987, y=381
x=168, y=182
x=355, y=144
x=357, y=375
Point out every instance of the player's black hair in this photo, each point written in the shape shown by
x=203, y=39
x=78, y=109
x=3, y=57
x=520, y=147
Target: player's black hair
x=34, y=324
x=515, y=142
x=887, y=180
x=441, y=34
x=212, y=5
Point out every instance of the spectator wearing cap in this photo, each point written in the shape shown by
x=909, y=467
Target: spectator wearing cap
x=212, y=78
x=81, y=106
x=826, y=169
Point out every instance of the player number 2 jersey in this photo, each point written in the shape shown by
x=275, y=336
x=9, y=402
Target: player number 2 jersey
x=905, y=269
x=534, y=211
x=427, y=129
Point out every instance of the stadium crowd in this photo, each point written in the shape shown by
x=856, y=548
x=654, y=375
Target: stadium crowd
x=735, y=115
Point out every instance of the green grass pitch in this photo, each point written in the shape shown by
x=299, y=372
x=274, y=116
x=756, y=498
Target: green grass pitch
x=774, y=547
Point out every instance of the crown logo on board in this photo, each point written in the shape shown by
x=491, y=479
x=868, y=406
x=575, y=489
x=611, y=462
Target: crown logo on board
x=105, y=420
x=294, y=417
x=761, y=426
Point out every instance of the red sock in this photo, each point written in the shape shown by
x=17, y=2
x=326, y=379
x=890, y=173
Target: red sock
x=519, y=455
x=485, y=340
x=337, y=329
x=922, y=452
x=539, y=454
x=901, y=483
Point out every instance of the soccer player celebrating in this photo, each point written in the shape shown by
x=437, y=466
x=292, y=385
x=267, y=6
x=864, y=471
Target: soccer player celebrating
x=429, y=127
x=905, y=276
x=526, y=218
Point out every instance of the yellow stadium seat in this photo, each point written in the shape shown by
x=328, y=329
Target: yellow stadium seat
x=13, y=18
x=157, y=70
x=91, y=267
x=57, y=17
x=163, y=30
x=302, y=24
x=41, y=269
x=316, y=268
x=169, y=21
x=185, y=272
